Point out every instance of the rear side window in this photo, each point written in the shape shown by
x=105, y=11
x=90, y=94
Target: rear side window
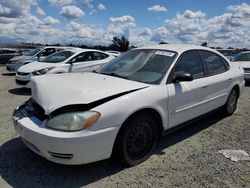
x=85, y=56
x=99, y=56
x=190, y=63
x=214, y=63
x=242, y=57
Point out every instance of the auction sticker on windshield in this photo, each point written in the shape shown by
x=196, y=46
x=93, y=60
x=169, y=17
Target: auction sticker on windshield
x=169, y=54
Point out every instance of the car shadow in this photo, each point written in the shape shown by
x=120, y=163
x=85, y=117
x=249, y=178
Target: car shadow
x=189, y=130
x=20, y=167
x=247, y=84
x=20, y=91
x=9, y=74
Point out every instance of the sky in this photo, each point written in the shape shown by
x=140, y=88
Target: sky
x=224, y=23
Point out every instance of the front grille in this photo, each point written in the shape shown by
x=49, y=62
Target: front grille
x=21, y=82
x=32, y=109
x=10, y=69
x=61, y=155
x=247, y=70
x=22, y=73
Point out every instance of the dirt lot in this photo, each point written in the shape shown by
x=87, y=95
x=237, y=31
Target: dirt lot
x=186, y=158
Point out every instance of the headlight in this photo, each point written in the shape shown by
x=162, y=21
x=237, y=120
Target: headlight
x=42, y=71
x=73, y=121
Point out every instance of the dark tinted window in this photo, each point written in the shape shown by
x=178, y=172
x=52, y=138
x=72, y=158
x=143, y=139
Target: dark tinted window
x=99, y=56
x=57, y=57
x=214, y=62
x=47, y=52
x=8, y=51
x=190, y=63
x=242, y=57
x=85, y=56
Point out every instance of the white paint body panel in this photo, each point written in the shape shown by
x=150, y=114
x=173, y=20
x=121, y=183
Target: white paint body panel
x=175, y=103
x=62, y=67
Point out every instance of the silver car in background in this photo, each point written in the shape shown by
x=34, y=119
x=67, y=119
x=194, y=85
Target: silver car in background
x=34, y=55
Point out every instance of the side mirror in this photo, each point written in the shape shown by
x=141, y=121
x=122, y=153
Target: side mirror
x=38, y=56
x=182, y=77
x=72, y=61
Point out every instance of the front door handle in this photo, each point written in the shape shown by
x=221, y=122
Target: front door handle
x=230, y=79
x=205, y=86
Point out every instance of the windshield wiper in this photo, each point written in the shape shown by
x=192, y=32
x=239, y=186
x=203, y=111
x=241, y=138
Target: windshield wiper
x=115, y=75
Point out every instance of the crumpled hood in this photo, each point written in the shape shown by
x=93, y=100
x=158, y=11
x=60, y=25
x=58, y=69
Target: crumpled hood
x=55, y=91
x=34, y=66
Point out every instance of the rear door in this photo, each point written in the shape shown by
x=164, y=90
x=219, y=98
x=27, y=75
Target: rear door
x=82, y=62
x=187, y=99
x=99, y=59
x=220, y=79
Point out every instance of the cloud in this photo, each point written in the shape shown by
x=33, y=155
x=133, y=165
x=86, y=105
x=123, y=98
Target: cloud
x=60, y=3
x=15, y=8
x=158, y=8
x=87, y=3
x=72, y=12
x=50, y=21
x=40, y=12
x=190, y=14
x=18, y=24
x=101, y=7
x=122, y=19
x=240, y=11
x=145, y=31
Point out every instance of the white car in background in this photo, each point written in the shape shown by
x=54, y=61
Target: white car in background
x=33, y=55
x=70, y=60
x=114, y=53
x=127, y=105
x=243, y=59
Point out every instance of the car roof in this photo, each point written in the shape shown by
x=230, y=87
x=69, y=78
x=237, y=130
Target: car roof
x=179, y=48
x=245, y=52
x=78, y=50
x=60, y=47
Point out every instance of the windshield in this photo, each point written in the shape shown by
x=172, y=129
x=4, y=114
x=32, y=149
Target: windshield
x=57, y=57
x=242, y=57
x=33, y=52
x=142, y=65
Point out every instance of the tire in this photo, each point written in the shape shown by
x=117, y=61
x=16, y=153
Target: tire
x=231, y=103
x=136, y=140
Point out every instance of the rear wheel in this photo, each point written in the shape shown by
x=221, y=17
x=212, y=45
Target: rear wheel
x=136, y=140
x=231, y=103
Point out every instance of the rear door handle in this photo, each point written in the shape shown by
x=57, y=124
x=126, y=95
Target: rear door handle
x=230, y=79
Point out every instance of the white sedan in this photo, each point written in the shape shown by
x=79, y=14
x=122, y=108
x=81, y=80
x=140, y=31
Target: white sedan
x=70, y=60
x=243, y=59
x=125, y=106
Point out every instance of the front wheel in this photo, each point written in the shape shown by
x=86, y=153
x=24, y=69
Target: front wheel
x=136, y=140
x=231, y=103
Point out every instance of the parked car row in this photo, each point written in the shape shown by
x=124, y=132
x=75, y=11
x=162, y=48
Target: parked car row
x=243, y=59
x=6, y=54
x=68, y=60
x=37, y=54
x=123, y=107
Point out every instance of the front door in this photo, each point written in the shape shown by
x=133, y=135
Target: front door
x=187, y=99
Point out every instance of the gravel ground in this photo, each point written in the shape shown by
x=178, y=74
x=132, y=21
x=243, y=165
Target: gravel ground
x=186, y=158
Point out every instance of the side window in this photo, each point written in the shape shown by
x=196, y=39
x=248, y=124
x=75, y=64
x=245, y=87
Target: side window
x=190, y=63
x=99, y=56
x=47, y=51
x=85, y=56
x=214, y=63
